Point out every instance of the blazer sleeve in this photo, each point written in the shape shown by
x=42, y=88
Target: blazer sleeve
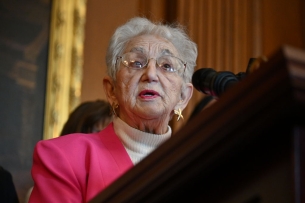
x=55, y=180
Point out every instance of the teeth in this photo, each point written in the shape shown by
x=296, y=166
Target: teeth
x=146, y=93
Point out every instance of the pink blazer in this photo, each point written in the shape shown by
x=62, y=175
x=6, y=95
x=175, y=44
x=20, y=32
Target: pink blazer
x=75, y=168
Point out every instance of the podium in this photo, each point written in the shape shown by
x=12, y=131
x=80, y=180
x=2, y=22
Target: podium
x=249, y=147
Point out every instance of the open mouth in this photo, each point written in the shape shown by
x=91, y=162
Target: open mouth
x=149, y=94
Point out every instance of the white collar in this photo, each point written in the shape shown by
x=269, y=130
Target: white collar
x=138, y=144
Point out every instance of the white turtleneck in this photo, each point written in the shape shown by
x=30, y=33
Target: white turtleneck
x=138, y=144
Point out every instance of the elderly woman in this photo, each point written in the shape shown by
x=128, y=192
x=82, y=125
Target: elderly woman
x=149, y=72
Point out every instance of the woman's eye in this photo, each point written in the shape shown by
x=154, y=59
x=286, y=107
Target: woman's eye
x=168, y=67
x=136, y=64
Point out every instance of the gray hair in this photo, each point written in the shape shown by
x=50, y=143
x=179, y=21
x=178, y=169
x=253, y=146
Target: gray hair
x=137, y=26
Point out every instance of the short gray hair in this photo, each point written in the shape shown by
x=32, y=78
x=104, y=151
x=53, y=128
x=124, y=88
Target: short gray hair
x=137, y=26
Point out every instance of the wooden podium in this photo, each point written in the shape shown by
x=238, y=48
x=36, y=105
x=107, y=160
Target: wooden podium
x=249, y=147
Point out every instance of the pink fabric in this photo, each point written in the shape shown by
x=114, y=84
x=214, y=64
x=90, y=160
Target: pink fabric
x=75, y=168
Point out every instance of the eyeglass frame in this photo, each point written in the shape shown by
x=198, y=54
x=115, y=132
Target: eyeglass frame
x=184, y=63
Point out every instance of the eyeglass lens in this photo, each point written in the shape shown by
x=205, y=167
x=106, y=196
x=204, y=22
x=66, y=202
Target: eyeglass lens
x=138, y=61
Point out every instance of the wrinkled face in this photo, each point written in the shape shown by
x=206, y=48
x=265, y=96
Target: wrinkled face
x=149, y=92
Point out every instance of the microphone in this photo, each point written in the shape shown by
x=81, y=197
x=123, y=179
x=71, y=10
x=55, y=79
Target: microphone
x=211, y=82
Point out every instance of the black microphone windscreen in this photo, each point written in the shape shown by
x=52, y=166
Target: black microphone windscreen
x=211, y=82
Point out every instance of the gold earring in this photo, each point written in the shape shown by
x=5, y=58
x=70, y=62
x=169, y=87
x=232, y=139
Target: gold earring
x=114, y=106
x=179, y=113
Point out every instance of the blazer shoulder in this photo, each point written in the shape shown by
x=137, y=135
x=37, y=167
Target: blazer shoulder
x=80, y=140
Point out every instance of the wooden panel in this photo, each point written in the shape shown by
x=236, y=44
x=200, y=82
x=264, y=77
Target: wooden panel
x=103, y=17
x=282, y=23
x=154, y=10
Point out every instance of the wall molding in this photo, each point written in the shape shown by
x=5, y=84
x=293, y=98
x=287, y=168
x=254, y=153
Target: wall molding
x=64, y=75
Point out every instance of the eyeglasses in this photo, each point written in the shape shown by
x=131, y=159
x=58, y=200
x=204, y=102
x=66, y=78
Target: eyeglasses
x=138, y=61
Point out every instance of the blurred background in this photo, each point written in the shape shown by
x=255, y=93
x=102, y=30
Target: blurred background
x=52, y=56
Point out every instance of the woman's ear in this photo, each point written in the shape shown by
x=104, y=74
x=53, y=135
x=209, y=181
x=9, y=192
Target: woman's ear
x=186, y=95
x=109, y=89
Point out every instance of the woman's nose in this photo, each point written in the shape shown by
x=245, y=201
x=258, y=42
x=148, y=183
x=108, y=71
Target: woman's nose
x=151, y=70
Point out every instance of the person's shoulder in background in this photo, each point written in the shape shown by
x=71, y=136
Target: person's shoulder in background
x=7, y=188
